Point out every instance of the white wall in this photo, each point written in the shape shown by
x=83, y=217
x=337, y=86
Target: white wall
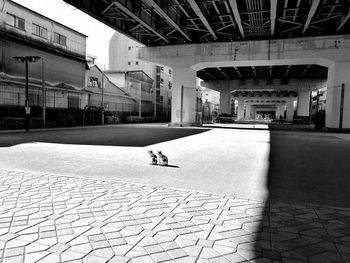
x=76, y=42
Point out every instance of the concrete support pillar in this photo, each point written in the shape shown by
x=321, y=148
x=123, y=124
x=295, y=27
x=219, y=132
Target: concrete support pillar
x=248, y=111
x=338, y=98
x=184, y=96
x=290, y=110
x=303, y=108
x=240, y=109
x=225, y=102
x=252, y=112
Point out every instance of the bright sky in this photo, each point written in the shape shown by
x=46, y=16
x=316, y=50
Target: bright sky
x=98, y=33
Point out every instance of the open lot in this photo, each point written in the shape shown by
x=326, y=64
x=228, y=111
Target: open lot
x=288, y=165
x=230, y=194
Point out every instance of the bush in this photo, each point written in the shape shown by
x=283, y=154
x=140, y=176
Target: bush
x=112, y=119
x=134, y=119
x=36, y=122
x=13, y=123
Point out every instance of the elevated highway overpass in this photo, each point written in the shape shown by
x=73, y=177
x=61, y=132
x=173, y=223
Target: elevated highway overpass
x=233, y=40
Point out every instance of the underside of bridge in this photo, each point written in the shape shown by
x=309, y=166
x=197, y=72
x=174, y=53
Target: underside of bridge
x=252, y=45
x=159, y=22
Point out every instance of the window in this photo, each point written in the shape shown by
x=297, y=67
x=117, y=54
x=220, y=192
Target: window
x=93, y=82
x=59, y=39
x=136, y=62
x=34, y=99
x=73, y=102
x=170, y=85
x=15, y=21
x=39, y=31
x=129, y=48
x=170, y=72
x=129, y=63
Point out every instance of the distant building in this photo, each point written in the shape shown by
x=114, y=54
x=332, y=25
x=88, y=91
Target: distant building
x=138, y=85
x=61, y=51
x=114, y=98
x=123, y=53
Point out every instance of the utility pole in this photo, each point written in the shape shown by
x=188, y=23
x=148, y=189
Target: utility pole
x=140, y=104
x=43, y=91
x=102, y=100
x=26, y=60
x=27, y=109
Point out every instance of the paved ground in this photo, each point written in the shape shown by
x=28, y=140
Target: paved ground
x=195, y=152
x=248, y=197
x=50, y=218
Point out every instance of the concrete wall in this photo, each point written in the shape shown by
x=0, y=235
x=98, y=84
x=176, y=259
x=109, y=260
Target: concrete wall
x=309, y=50
x=294, y=84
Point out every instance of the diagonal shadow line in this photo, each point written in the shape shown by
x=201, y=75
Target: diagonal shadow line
x=306, y=217
x=105, y=136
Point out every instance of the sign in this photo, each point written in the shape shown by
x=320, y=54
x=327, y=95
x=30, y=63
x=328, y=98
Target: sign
x=27, y=110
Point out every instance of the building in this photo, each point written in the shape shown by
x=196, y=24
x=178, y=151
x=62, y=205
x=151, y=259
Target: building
x=139, y=86
x=56, y=65
x=211, y=104
x=123, y=57
x=103, y=92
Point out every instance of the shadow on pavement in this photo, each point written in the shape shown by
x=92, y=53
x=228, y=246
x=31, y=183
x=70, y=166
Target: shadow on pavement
x=107, y=136
x=309, y=175
x=263, y=126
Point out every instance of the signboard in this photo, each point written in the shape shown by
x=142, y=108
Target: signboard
x=27, y=110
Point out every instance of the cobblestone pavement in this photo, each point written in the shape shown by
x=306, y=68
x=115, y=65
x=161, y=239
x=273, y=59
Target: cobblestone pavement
x=54, y=218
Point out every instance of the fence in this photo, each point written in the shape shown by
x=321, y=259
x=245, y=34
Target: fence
x=66, y=108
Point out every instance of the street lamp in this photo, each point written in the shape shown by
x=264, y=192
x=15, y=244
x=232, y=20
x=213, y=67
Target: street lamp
x=25, y=60
x=102, y=100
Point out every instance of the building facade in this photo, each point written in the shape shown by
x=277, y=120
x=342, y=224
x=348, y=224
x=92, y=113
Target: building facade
x=59, y=67
x=123, y=56
x=139, y=86
x=102, y=92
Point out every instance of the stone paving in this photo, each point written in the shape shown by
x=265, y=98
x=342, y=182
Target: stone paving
x=54, y=218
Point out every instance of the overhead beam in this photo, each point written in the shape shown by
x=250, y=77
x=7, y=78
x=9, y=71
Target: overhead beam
x=312, y=12
x=343, y=22
x=254, y=72
x=287, y=70
x=305, y=70
x=209, y=74
x=223, y=73
x=199, y=13
x=235, y=11
x=321, y=72
x=273, y=10
x=107, y=8
x=139, y=20
x=162, y=13
x=238, y=72
x=324, y=19
x=291, y=22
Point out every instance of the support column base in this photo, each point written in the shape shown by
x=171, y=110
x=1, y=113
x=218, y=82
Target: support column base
x=178, y=124
x=337, y=130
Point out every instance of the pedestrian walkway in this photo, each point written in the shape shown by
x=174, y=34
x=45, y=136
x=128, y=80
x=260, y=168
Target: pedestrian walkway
x=54, y=218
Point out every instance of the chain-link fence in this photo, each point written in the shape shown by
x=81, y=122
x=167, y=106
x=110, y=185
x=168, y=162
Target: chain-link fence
x=66, y=108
